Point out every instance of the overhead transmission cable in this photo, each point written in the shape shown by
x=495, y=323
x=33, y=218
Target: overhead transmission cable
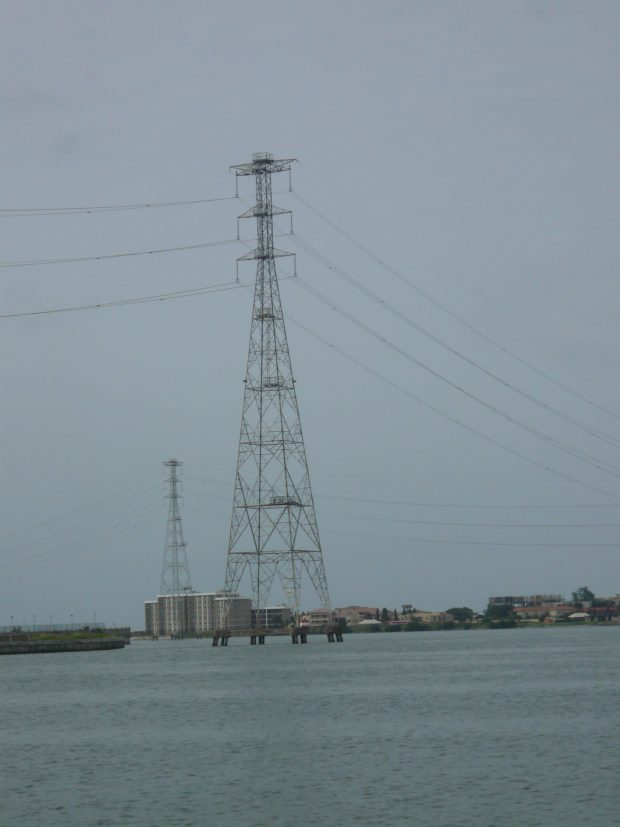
x=72, y=259
x=444, y=415
x=158, y=297
x=19, y=212
x=595, y=462
x=499, y=544
x=79, y=532
x=206, y=496
x=464, y=524
x=25, y=212
x=219, y=482
x=435, y=541
x=349, y=279
x=46, y=525
x=406, y=503
x=63, y=549
x=410, y=504
x=82, y=528
x=450, y=418
x=413, y=286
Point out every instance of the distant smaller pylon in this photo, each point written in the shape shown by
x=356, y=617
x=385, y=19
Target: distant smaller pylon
x=175, y=579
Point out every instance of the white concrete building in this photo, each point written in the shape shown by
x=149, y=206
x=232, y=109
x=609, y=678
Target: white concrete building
x=196, y=612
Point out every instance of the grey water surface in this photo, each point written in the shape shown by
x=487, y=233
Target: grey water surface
x=449, y=729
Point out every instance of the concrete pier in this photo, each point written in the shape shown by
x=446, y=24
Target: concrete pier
x=298, y=634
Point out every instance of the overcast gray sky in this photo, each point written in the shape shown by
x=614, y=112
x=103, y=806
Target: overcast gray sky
x=472, y=147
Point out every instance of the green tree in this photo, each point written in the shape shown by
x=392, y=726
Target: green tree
x=395, y=615
x=583, y=595
x=385, y=615
x=499, y=613
x=461, y=613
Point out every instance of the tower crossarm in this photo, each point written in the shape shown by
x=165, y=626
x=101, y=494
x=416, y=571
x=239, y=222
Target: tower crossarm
x=256, y=210
x=262, y=161
x=257, y=253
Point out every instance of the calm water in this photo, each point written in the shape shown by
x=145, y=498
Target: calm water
x=449, y=729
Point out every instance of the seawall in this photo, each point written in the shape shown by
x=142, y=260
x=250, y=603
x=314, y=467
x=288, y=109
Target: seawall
x=32, y=647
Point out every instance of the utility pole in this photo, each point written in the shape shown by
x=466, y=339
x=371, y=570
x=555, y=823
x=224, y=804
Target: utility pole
x=175, y=579
x=273, y=528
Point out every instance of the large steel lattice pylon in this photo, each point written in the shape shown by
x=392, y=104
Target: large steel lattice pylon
x=175, y=579
x=274, y=528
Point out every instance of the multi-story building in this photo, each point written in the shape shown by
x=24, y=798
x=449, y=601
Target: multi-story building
x=355, y=614
x=203, y=611
x=151, y=617
x=195, y=612
x=612, y=600
x=317, y=618
x=422, y=616
x=548, y=613
x=239, y=611
x=272, y=617
x=527, y=600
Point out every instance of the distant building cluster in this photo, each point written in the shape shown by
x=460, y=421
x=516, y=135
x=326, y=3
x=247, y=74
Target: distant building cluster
x=178, y=615
x=516, y=601
x=373, y=615
x=193, y=613
x=552, y=608
x=317, y=618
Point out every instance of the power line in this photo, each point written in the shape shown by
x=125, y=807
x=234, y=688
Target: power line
x=47, y=525
x=209, y=480
x=410, y=504
x=502, y=544
x=450, y=418
x=403, y=503
x=204, y=511
x=82, y=532
x=459, y=524
x=158, y=297
x=20, y=212
x=26, y=212
x=454, y=523
x=71, y=260
x=444, y=415
x=347, y=277
x=435, y=541
x=601, y=465
x=207, y=496
x=83, y=528
x=37, y=262
x=64, y=549
x=413, y=286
